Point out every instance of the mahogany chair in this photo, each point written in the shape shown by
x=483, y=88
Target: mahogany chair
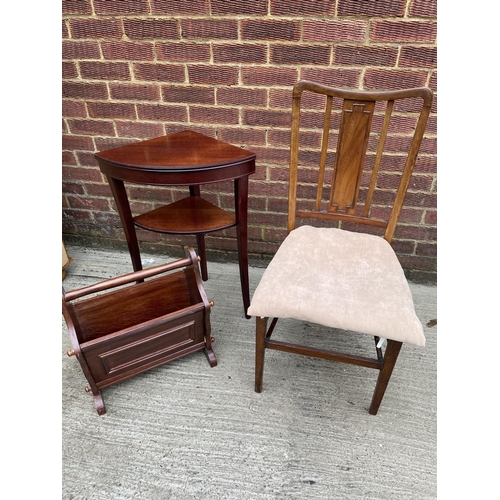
x=326, y=271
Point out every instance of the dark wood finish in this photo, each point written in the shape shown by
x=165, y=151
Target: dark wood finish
x=182, y=159
x=358, y=109
x=132, y=323
x=389, y=360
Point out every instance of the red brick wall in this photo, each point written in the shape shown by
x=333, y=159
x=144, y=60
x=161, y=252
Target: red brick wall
x=137, y=69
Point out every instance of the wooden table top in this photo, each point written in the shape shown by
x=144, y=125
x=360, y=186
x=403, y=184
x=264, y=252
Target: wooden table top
x=186, y=150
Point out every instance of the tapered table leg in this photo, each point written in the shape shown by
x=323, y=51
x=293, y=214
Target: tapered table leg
x=123, y=207
x=241, y=204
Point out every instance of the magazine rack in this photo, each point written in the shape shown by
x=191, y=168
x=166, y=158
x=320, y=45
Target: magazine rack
x=141, y=320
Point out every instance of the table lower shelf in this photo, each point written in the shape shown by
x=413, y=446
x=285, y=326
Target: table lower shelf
x=190, y=215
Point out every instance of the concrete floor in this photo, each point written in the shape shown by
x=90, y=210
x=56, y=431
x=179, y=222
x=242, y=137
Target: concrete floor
x=187, y=431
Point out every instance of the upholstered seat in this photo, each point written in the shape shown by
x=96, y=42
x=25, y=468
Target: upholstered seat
x=357, y=285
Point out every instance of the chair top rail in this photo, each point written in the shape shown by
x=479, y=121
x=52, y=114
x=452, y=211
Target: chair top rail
x=366, y=95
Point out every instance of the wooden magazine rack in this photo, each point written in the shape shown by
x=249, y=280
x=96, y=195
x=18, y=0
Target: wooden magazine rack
x=142, y=320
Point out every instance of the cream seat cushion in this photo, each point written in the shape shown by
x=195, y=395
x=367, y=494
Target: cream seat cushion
x=340, y=279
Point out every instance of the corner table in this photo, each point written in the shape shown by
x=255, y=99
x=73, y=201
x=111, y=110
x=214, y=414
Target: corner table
x=184, y=158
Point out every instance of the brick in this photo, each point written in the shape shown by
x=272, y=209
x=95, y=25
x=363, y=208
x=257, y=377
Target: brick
x=76, y=7
x=80, y=202
x=75, y=109
x=269, y=76
x=213, y=75
x=239, y=53
x=423, y=8
x=393, y=79
x=86, y=159
x=280, y=98
x=335, y=30
x=426, y=249
x=417, y=182
x=155, y=29
x=180, y=7
x=104, y=143
x=91, y=174
x=371, y=8
x=183, y=52
x=95, y=189
x=77, y=215
x=65, y=29
x=135, y=91
x=431, y=217
x=300, y=54
x=150, y=193
x=302, y=7
x=350, y=55
x=214, y=115
x=111, y=110
x=72, y=187
x=162, y=112
x=316, y=120
x=400, y=124
x=306, y=139
x=129, y=51
x=270, y=30
x=312, y=158
x=335, y=77
x=397, y=144
x=275, y=156
x=242, y=136
x=426, y=200
x=104, y=70
x=95, y=28
x=75, y=142
x=252, y=7
x=188, y=94
x=84, y=90
x=209, y=29
x=121, y=7
x=68, y=158
x=69, y=70
x=159, y=72
x=80, y=50
x=411, y=215
x=418, y=57
x=403, y=31
x=91, y=127
x=241, y=96
x=428, y=145
x=140, y=130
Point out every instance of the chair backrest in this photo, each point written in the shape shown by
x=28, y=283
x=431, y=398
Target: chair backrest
x=363, y=134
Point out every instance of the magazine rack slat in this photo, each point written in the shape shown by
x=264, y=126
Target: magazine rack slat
x=140, y=321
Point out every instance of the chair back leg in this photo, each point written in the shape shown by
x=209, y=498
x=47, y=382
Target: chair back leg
x=391, y=355
x=260, y=349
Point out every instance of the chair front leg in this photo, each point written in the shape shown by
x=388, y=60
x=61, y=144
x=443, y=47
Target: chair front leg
x=391, y=355
x=260, y=348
